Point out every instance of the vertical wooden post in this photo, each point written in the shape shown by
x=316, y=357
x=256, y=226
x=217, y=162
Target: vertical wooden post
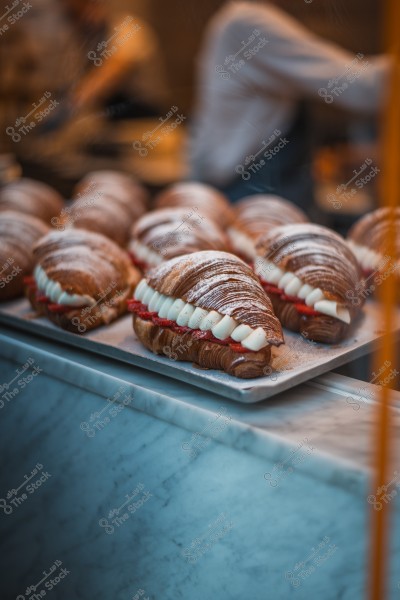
x=390, y=196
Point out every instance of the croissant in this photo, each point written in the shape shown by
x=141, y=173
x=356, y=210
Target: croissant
x=169, y=232
x=121, y=186
x=208, y=308
x=107, y=202
x=313, y=280
x=33, y=198
x=81, y=279
x=102, y=215
x=256, y=215
x=368, y=239
x=209, y=201
x=18, y=234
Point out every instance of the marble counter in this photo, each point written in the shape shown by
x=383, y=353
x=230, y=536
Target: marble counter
x=150, y=487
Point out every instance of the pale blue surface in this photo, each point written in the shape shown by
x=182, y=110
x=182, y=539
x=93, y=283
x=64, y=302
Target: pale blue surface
x=270, y=528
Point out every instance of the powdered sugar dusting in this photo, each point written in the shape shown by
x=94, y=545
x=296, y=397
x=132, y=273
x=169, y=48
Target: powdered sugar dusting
x=222, y=282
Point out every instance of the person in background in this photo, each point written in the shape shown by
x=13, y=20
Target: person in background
x=123, y=67
x=93, y=58
x=257, y=68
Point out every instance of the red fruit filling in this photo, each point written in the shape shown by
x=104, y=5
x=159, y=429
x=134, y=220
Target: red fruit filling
x=29, y=281
x=303, y=309
x=162, y=322
x=137, y=262
x=299, y=304
x=141, y=310
x=293, y=299
x=43, y=299
x=271, y=289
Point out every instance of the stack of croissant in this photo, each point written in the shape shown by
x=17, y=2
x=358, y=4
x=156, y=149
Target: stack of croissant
x=208, y=282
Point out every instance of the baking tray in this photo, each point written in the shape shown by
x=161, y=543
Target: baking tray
x=293, y=363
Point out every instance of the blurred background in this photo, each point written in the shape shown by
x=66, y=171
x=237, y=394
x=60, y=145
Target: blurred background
x=47, y=51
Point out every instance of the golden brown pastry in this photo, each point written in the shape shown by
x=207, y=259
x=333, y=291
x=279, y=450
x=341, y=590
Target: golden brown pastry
x=81, y=279
x=208, y=308
x=103, y=215
x=121, y=186
x=169, y=232
x=107, y=202
x=208, y=201
x=33, y=198
x=256, y=215
x=368, y=239
x=309, y=273
x=18, y=234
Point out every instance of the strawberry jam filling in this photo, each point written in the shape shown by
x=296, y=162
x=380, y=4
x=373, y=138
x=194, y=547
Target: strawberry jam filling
x=137, y=262
x=141, y=310
x=293, y=299
x=303, y=309
x=30, y=282
x=299, y=304
x=41, y=298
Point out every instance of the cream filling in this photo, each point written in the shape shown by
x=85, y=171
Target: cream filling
x=142, y=252
x=54, y=291
x=242, y=243
x=293, y=286
x=367, y=258
x=189, y=315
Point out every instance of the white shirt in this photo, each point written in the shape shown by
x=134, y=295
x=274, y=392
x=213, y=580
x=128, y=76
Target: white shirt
x=255, y=66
